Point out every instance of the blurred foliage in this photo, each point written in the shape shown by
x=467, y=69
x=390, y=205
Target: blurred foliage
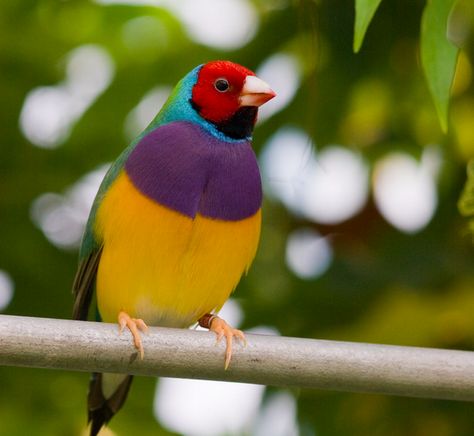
x=383, y=285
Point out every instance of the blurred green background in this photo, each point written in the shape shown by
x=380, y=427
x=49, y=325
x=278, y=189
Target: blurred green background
x=362, y=238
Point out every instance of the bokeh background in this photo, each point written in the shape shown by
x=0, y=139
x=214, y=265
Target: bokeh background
x=362, y=238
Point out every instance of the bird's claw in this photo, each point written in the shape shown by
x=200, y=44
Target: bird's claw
x=135, y=325
x=222, y=329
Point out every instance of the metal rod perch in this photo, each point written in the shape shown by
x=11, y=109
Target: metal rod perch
x=268, y=360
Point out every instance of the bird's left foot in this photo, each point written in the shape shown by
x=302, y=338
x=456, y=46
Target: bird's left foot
x=135, y=325
x=222, y=329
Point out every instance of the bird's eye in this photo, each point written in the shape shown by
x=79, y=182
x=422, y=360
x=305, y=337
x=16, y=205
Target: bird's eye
x=222, y=85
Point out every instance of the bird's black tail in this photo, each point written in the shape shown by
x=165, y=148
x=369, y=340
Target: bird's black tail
x=102, y=409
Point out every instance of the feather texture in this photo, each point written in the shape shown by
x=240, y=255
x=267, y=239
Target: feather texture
x=181, y=166
x=83, y=286
x=101, y=407
x=163, y=266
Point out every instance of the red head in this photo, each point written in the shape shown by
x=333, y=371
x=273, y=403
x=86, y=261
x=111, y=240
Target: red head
x=222, y=88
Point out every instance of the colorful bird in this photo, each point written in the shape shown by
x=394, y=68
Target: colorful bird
x=176, y=220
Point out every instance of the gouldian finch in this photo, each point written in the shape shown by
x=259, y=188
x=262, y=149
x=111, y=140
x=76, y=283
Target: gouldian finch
x=176, y=220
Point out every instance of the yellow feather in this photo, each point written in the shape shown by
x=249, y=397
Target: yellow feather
x=162, y=266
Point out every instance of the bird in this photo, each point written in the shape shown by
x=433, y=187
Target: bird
x=176, y=221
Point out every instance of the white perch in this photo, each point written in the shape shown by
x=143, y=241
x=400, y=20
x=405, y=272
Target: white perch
x=268, y=360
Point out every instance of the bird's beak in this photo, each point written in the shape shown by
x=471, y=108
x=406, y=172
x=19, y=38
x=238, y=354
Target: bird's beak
x=255, y=92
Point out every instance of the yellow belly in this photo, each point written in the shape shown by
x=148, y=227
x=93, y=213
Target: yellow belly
x=162, y=266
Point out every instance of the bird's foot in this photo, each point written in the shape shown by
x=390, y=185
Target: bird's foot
x=135, y=325
x=222, y=329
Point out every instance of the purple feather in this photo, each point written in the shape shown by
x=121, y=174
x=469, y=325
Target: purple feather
x=182, y=167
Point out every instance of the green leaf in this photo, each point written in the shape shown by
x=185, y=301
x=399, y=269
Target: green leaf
x=364, y=11
x=438, y=55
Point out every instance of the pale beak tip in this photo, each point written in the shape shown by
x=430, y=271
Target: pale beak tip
x=255, y=92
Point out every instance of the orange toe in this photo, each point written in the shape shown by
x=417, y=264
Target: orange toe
x=135, y=325
x=222, y=329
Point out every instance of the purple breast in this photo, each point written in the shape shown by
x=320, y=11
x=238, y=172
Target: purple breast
x=182, y=167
